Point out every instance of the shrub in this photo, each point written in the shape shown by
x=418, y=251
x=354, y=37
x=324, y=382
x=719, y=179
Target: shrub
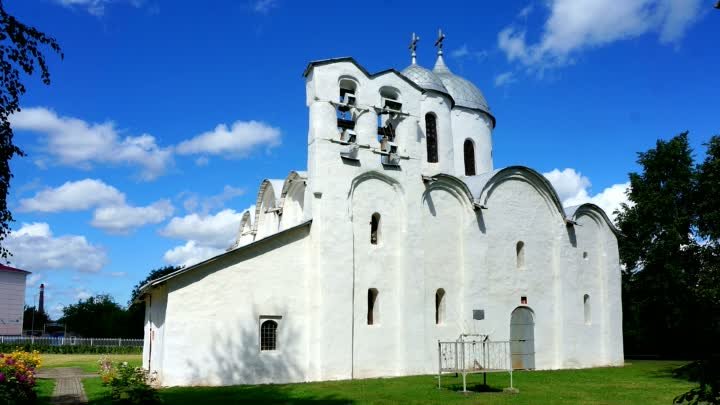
x=17, y=377
x=128, y=385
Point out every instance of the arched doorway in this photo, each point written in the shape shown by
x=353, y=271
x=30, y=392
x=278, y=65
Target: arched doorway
x=522, y=338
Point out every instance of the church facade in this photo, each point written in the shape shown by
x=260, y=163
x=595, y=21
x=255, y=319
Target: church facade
x=399, y=234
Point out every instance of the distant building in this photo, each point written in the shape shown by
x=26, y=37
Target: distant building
x=400, y=233
x=12, y=300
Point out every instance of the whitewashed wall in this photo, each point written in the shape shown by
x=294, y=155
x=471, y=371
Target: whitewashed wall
x=12, y=300
x=431, y=236
x=212, y=317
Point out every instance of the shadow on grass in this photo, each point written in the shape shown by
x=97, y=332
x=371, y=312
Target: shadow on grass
x=476, y=388
x=252, y=394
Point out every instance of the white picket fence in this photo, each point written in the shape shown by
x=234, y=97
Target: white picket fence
x=71, y=341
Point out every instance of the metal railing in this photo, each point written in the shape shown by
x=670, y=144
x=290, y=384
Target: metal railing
x=71, y=341
x=474, y=356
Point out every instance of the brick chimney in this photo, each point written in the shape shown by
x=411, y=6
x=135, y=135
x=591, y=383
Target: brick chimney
x=41, y=306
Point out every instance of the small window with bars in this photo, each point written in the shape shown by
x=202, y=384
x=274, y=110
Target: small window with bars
x=268, y=335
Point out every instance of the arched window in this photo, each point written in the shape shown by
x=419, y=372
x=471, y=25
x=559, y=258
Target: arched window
x=520, y=254
x=374, y=228
x=372, y=310
x=586, y=307
x=268, y=335
x=345, y=116
x=469, y=151
x=439, y=306
x=431, y=138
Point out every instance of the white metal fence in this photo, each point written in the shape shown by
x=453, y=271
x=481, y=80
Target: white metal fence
x=71, y=341
x=474, y=354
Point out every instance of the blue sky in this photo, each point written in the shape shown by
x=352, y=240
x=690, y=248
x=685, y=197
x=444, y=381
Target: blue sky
x=165, y=116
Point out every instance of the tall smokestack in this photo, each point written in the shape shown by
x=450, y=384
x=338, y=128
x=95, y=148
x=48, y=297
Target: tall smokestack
x=41, y=306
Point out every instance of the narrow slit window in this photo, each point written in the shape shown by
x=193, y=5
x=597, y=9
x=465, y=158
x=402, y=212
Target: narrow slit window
x=268, y=335
x=469, y=152
x=586, y=309
x=431, y=138
x=374, y=228
x=439, y=306
x=372, y=310
x=520, y=255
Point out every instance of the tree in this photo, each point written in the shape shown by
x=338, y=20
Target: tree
x=136, y=310
x=99, y=317
x=153, y=275
x=20, y=51
x=671, y=252
x=31, y=314
x=659, y=251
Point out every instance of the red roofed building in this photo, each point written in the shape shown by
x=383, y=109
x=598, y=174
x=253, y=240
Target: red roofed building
x=12, y=300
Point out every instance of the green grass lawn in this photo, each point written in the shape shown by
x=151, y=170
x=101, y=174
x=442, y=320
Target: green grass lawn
x=87, y=362
x=638, y=383
x=44, y=389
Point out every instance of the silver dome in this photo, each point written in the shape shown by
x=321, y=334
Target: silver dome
x=461, y=90
x=424, y=78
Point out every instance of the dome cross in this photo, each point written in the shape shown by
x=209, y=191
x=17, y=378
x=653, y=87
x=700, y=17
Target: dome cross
x=413, y=47
x=439, y=41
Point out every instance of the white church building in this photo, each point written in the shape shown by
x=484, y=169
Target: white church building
x=400, y=233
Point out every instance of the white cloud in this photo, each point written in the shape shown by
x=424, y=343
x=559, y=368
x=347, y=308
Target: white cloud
x=217, y=231
x=190, y=253
x=205, y=236
x=72, y=196
x=572, y=188
x=237, y=141
x=33, y=280
x=568, y=183
x=82, y=293
x=193, y=202
x=95, y=7
x=121, y=219
x=465, y=52
x=575, y=25
x=74, y=142
x=460, y=52
x=264, y=6
x=35, y=248
x=525, y=12
x=112, y=214
x=503, y=79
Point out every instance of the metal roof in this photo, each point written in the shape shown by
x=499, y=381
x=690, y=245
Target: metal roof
x=424, y=78
x=9, y=269
x=152, y=283
x=322, y=62
x=464, y=92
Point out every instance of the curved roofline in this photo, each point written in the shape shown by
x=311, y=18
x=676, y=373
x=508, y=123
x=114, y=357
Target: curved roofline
x=369, y=75
x=488, y=113
x=373, y=174
x=258, y=201
x=458, y=182
x=429, y=90
x=293, y=175
x=533, y=176
x=575, y=211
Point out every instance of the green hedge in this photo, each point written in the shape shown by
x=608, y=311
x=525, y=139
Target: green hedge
x=9, y=347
